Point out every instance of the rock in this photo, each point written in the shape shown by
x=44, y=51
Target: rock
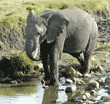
x=100, y=102
x=107, y=80
x=68, y=81
x=80, y=83
x=88, y=102
x=73, y=96
x=100, y=69
x=39, y=67
x=100, y=81
x=45, y=87
x=13, y=82
x=87, y=94
x=32, y=71
x=69, y=72
x=69, y=90
x=105, y=98
x=92, y=85
x=58, y=101
x=84, y=97
x=19, y=81
x=7, y=79
x=19, y=73
x=107, y=87
x=93, y=92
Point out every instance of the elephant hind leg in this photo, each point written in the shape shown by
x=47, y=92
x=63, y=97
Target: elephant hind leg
x=79, y=58
x=88, y=52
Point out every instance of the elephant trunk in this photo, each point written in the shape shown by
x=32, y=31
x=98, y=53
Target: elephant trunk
x=31, y=48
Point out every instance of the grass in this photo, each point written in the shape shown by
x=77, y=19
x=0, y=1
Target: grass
x=102, y=47
x=13, y=11
x=13, y=14
x=22, y=62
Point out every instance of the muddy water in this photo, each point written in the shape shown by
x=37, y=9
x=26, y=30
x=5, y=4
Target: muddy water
x=32, y=92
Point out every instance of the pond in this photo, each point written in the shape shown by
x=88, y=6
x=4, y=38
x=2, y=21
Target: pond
x=32, y=92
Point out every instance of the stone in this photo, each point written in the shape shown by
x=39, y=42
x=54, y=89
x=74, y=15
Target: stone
x=69, y=90
x=32, y=71
x=74, y=96
x=70, y=72
x=87, y=94
x=13, y=82
x=88, y=102
x=100, y=81
x=107, y=80
x=45, y=87
x=105, y=98
x=92, y=85
x=68, y=81
x=39, y=67
x=100, y=69
x=107, y=87
x=58, y=101
x=80, y=83
x=19, y=73
x=93, y=92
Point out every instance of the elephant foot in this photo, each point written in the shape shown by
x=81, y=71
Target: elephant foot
x=84, y=71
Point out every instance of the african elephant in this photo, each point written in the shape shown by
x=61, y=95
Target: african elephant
x=70, y=30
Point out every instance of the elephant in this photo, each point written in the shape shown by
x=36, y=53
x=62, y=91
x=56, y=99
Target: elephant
x=70, y=30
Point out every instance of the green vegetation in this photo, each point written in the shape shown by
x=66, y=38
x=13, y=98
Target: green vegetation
x=22, y=62
x=12, y=12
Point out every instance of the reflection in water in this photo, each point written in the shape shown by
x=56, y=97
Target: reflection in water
x=27, y=93
x=50, y=95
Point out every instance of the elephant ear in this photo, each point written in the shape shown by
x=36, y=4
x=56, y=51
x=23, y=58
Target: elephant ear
x=56, y=25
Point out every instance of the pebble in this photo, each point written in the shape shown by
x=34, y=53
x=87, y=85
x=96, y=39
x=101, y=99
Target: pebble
x=58, y=101
x=68, y=81
x=69, y=90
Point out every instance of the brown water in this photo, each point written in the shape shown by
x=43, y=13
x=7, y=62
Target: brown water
x=32, y=92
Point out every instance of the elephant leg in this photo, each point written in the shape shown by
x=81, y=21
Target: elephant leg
x=88, y=52
x=79, y=58
x=86, y=68
x=45, y=59
x=54, y=66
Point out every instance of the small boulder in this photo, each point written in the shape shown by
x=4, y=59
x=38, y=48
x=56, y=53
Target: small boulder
x=70, y=72
x=80, y=83
x=100, y=81
x=58, y=101
x=39, y=67
x=87, y=94
x=68, y=81
x=93, y=92
x=107, y=80
x=69, y=90
x=19, y=73
x=105, y=98
x=92, y=85
x=13, y=82
x=100, y=69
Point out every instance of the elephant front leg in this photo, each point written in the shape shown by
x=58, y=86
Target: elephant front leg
x=45, y=61
x=54, y=67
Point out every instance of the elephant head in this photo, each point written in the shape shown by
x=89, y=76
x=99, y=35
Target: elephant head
x=49, y=25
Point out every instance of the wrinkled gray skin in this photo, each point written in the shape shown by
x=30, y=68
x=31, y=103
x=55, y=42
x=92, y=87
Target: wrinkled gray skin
x=71, y=30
